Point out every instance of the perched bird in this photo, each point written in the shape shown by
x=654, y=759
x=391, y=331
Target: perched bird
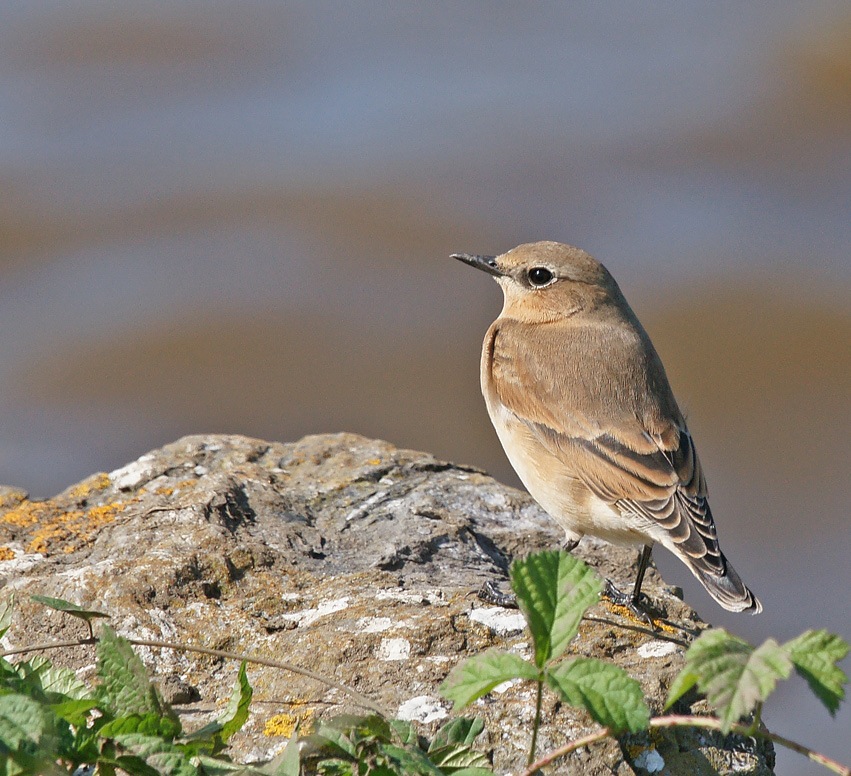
x=581, y=403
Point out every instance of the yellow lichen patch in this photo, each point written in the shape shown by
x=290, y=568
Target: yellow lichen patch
x=68, y=531
x=27, y=514
x=164, y=491
x=6, y=553
x=374, y=461
x=285, y=724
x=96, y=482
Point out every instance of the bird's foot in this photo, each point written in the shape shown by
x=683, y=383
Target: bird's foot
x=570, y=545
x=639, y=607
x=491, y=594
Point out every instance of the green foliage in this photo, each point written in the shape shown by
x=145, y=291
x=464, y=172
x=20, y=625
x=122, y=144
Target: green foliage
x=53, y=723
x=554, y=590
x=815, y=655
x=351, y=746
x=737, y=677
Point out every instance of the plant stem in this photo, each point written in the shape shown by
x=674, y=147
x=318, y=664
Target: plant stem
x=537, y=724
x=708, y=723
x=362, y=699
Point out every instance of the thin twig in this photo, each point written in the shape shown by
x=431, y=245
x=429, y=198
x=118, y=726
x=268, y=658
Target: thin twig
x=709, y=723
x=362, y=700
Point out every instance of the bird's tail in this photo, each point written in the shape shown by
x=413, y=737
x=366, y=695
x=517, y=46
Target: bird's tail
x=725, y=587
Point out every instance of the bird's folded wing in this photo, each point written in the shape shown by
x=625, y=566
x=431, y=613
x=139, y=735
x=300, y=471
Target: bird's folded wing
x=649, y=473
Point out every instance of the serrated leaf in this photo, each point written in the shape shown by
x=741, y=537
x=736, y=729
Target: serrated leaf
x=610, y=695
x=478, y=675
x=61, y=605
x=815, y=655
x=125, y=687
x=461, y=731
x=554, y=590
x=25, y=724
x=733, y=675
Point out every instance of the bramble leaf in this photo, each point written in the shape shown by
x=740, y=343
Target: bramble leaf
x=125, y=687
x=733, y=675
x=461, y=731
x=815, y=655
x=610, y=695
x=553, y=589
x=478, y=675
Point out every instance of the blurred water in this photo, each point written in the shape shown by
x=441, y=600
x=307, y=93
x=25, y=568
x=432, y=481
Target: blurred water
x=237, y=217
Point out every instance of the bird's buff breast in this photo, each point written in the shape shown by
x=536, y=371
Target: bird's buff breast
x=564, y=497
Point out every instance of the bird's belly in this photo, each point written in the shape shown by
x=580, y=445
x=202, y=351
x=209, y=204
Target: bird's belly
x=561, y=494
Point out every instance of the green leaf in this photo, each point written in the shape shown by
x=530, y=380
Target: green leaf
x=815, y=655
x=461, y=731
x=411, y=761
x=161, y=755
x=51, y=683
x=147, y=724
x=74, y=712
x=478, y=675
x=234, y=715
x=451, y=759
x=288, y=762
x=61, y=605
x=733, y=675
x=604, y=690
x=125, y=687
x=24, y=723
x=404, y=731
x=554, y=590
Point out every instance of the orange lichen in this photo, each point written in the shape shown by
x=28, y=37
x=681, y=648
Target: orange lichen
x=84, y=489
x=72, y=529
x=6, y=553
x=27, y=514
x=629, y=614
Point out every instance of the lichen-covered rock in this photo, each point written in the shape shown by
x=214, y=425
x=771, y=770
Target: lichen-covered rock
x=348, y=557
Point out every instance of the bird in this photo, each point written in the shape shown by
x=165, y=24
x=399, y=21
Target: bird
x=582, y=405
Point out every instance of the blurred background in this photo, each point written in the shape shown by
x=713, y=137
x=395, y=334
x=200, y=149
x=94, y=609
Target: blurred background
x=237, y=217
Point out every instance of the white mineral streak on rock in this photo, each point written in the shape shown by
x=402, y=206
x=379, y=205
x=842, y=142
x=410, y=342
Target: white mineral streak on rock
x=501, y=621
x=394, y=649
x=309, y=616
x=423, y=708
x=657, y=648
x=128, y=477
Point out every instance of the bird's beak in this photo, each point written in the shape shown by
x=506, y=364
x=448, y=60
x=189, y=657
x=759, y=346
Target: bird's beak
x=485, y=263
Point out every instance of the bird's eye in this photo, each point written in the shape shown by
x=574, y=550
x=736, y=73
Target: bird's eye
x=540, y=276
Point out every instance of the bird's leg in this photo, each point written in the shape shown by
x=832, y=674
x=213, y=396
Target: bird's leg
x=633, y=601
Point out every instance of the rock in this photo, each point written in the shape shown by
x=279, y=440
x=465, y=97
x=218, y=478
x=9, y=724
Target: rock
x=345, y=556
